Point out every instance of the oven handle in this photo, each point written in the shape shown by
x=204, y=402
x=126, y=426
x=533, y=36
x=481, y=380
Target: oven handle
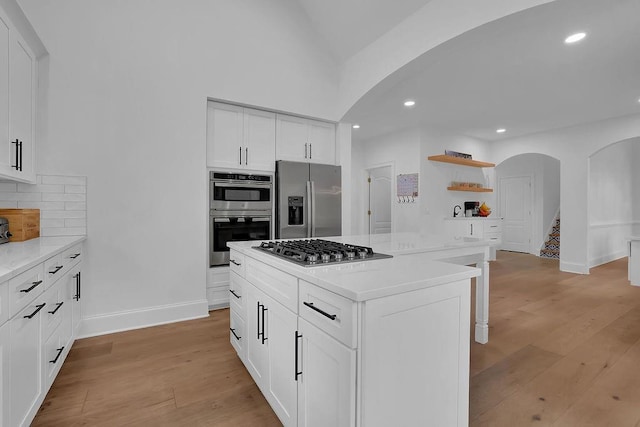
x=231, y=184
x=240, y=219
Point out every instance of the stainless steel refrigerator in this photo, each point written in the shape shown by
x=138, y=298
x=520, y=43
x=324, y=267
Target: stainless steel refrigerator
x=308, y=200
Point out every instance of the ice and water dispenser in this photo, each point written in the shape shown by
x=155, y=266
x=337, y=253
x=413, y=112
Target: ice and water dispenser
x=296, y=210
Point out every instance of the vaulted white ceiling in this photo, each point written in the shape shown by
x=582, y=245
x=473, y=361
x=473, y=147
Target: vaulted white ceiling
x=516, y=73
x=347, y=26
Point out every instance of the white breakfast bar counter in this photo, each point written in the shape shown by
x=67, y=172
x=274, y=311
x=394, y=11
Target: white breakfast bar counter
x=373, y=343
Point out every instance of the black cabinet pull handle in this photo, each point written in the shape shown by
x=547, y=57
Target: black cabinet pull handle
x=246, y=155
x=20, y=145
x=58, y=268
x=234, y=294
x=17, y=165
x=74, y=256
x=305, y=150
x=40, y=307
x=310, y=155
x=59, y=304
x=60, y=350
x=34, y=285
x=324, y=313
x=264, y=338
x=233, y=261
x=78, y=286
x=233, y=331
x=297, y=373
x=240, y=155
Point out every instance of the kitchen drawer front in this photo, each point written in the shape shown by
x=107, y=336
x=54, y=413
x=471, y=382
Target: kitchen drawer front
x=218, y=276
x=237, y=288
x=53, y=269
x=237, y=332
x=55, y=309
x=72, y=256
x=25, y=287
x=237, y=263
x=277, y=284
x=493, y=226
x=54, y=351
x=495, y=238
x=330, y=312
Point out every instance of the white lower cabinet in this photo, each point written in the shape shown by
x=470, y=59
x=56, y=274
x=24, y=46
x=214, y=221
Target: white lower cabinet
x=326, y=380
x=25, y=357
x=36, y=338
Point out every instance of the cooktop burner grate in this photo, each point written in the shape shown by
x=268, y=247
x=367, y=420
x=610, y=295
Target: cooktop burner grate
x=316, y=252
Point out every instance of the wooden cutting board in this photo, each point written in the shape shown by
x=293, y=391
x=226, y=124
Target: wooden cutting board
x=24, y=224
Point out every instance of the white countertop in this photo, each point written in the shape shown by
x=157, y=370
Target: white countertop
x=411, y=268
x=633, y=238
x=16, y=257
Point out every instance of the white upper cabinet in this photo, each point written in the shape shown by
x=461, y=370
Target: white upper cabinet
x=17, y=105
x=240, y=138
x=305, y=140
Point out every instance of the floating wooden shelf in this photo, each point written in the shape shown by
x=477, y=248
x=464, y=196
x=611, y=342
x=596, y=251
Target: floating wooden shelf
x=460, y=161
x=473, y=189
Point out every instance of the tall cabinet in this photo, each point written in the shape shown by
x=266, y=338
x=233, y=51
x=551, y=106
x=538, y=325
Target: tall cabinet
x=18, y=88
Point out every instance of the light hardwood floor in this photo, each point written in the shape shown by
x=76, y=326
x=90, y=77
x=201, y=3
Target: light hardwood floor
x=564, y=350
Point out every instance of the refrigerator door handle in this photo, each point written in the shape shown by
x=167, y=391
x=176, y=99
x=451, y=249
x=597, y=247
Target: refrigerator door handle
x=309, y=208
x=313, y=209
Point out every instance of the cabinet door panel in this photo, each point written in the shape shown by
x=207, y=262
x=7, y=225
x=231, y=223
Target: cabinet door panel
x=21, y=99
x=224, y=135
x=259, y=140
x=322, y=137
x=5, y=404
x=292, y=138
x=257, y=351
x=5, y=145
x=281, y=334
x=327, y=386
x=26, y=383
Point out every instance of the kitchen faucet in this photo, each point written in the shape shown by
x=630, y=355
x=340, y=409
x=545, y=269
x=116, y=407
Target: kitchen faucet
x=454, y=210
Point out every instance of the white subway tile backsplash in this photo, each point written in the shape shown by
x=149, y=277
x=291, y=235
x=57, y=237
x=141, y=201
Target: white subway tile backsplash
x=75, y=206
x=67, y=180
x=63, y=214
x=63, y=197
x=8, y=187
x=61, y=200
x=75, y=189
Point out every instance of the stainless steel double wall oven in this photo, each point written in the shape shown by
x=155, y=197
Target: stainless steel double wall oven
x=240, y=209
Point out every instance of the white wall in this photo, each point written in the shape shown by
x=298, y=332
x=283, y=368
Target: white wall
x=545, y=174
x=572, y=146
x=402, y=152
x=408, y=151
x=128, y=84
x=613, y=196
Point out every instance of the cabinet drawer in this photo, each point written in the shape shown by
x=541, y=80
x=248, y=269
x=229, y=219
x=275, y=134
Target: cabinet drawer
x=494, y=237
x=237, y=263
x=25, y=287
x=237, y=332
x=330, y=312
x=237, y=288
x=218, y=276
x=53, y=270
x=55, y=309
x=54, y=351
x=492, y=226
x=277, y=284
x=72, y=256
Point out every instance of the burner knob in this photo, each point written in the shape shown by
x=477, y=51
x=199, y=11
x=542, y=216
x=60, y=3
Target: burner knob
x=338, y=256
x=351, y=254
x=362, y=254
x=326, y=257
x=312, y=258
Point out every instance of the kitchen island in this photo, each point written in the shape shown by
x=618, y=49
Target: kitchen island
x=375, y=343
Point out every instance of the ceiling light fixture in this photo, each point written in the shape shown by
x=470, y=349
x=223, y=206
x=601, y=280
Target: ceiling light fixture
x=501, y=130
x=409, y=103
x=356, y=126
x=573, y=38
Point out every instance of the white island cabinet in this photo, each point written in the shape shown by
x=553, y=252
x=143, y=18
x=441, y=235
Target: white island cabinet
x=373, y=343
x=634, y=260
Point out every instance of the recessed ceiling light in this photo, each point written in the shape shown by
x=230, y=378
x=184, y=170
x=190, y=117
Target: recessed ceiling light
x=356, y=126
x=501, y=130
x=573, y=38
x=409, y=103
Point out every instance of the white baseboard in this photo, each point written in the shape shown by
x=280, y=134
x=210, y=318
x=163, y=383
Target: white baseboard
x=135, y=319
x=607, y=258
x=571, y=267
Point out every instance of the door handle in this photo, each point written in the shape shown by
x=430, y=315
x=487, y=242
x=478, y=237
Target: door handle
x=310, y=155
x=240, y=156
x=246, y=155
x=297, y=373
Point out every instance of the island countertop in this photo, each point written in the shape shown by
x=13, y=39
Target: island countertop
x=412, y=266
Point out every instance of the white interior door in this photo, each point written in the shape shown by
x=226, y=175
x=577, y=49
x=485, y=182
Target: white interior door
x=515, y=209
x=380, y=200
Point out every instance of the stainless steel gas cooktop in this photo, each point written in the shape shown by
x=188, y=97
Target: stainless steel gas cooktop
x=316, y=252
